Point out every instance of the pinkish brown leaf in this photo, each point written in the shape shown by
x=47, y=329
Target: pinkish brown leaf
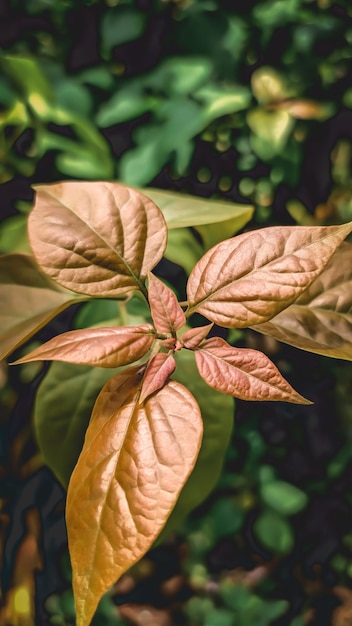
x=28, y=300
x=243, y=373
x=248, y=279
x=158, y=370
x=97, y=238
x=102, y=347
x=133, y=465
x=194, y=336
x=166, y=312
x=320, y=320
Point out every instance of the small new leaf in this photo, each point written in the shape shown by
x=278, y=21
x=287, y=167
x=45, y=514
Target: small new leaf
x=97, y=238
x=193, y=337
x=101, y=347
x=134, y=463
x=166, y=312
x=243, y=373
x=248, y=279
x=158, y=370
x=320, y=320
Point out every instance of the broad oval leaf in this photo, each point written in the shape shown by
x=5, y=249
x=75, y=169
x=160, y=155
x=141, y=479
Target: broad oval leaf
x=102, y=347
x=62, y=410
x=320, y=320
x=182, y=210
x=133, y=465
x=250, y=278
x=28, y=300
x=166, y=312
x=157, y=372
x=243, y=373
x=97, y=238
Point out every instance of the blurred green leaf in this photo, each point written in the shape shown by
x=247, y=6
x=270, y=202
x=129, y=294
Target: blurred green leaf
x=274, y=532
x=283, y=497
x=218, y=101
x=271, y=130
x=120, y=25
x=125, y=104
x=183, y=248
x=13, y=235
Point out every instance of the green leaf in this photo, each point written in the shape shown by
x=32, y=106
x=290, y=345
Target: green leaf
x=274, y=532
x=218, y=101
x=183, y=248
x=283, y=497
x=120, y=25
x=271, y=130
x=29, y=78
x=126, y=104
x=13, y=235
x=62, y=411
x=185, y=210
x=217, y=413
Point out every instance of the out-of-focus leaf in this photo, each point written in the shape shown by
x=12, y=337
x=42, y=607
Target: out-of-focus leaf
x=274, y=532
x=250, y=278
x=28, y=300
x=120, y=25
x=243, y=373
x=119, y=495
x=100, y=347
x=271, y=130
x=320, y=320
x=284, y=498
x=166, y=312
x=96, y=238
x=13, y=235
x=217, y=413
x=28, y=76
x=180, y=75
x=218, y=101
x=183, y=248
x=125, y=105
x=268, y=85
x=184, y=210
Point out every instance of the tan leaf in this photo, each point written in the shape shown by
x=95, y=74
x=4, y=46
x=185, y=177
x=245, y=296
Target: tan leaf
x=134, y=462
x=194, y=336
x=166, y=312
x=97, y=238
x=320, y=320
x=243, y=373
x=158, y=370
x=28, y=300
x=102, y=347
x=250, y=278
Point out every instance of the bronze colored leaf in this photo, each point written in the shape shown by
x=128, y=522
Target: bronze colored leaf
x=320, y=320
x=158, y=370
x=243, y=373
x=97, y=238
x=166, y=312
x=134, y=463
x=193, y=337
x=102, y=347
x=248, y=279
x=28, y=300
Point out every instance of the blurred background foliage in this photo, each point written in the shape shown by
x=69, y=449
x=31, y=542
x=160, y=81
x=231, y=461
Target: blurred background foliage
x=248, y=102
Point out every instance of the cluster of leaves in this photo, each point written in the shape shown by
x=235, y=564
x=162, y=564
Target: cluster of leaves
x=89, y=91
x=101, y=240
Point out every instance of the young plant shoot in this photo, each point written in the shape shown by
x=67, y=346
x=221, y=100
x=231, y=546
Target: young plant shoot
x=102, y=240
